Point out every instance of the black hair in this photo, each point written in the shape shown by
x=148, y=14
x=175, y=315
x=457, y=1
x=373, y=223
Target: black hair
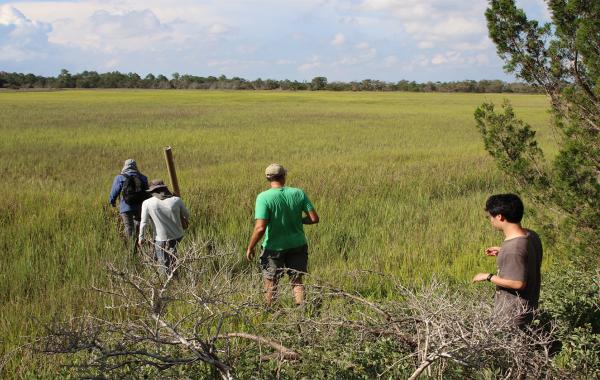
x=509, y=206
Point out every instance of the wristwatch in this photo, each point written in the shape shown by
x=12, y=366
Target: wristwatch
x=489, y=277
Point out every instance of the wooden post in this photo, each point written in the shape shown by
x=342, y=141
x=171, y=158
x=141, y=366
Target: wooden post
x=171, y=169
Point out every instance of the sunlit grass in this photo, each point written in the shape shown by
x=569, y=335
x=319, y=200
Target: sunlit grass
x=399, y=180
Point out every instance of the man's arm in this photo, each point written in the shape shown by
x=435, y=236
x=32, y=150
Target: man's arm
x=143, y=222
x=311, y=217
x=115, y=190
x=183, y=210
x=503, y=282
x=259, y=230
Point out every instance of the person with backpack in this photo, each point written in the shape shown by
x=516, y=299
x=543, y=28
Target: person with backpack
x=130, y=186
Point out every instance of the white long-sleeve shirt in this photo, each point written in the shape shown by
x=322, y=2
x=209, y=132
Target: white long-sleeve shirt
x=165, y=215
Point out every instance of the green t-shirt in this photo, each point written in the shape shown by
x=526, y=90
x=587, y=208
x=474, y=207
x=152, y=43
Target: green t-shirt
x=283, y=209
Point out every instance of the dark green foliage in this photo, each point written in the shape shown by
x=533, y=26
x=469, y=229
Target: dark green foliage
x=571, y=297
x=318, y=83
x=512, y=143
x=563, y=59
x=115, y=79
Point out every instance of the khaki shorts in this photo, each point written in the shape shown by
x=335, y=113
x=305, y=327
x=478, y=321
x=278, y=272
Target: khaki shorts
x=293, y=261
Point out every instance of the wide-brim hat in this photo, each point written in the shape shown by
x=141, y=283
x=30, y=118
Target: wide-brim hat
x=156, y=184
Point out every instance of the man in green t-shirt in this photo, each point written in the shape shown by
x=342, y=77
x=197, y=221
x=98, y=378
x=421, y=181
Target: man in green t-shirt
x=280, y=215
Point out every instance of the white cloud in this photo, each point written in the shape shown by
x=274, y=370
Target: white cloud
x=372, y=38
x=483, y=44
x=434, y=23
x=314, y=63
x=338, y=39
x=134, y=31
x=111, y=64
x=439, y=59
x=219, y=28
x=391, y=61
x=21, y=38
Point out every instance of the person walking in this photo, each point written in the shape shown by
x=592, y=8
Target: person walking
x=518, y=261
x=130, y=186
x=169, y=217
x=280, y=214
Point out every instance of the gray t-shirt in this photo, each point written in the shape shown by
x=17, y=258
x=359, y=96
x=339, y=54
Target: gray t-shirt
x=520, y=259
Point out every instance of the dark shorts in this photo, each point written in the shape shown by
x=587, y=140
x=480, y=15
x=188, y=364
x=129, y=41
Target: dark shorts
x=293, y=261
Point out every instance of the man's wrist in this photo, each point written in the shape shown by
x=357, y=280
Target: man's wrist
x=489, y=277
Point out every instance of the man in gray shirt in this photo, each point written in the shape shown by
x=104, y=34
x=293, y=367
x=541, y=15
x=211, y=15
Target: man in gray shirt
x=518, y=261
x=168, y=215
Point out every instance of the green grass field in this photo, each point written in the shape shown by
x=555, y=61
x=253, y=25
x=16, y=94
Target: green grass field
x=399, y=180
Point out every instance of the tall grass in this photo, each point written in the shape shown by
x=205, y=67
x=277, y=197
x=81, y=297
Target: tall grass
x=399, y=180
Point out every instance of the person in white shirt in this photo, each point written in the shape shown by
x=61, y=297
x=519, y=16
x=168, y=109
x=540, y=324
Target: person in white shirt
x=168, y=215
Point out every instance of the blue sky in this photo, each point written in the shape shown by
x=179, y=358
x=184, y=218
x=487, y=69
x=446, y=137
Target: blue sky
x=345, y=40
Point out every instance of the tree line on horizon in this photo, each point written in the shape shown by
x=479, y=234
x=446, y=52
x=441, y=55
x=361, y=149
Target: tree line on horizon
x=116, y=79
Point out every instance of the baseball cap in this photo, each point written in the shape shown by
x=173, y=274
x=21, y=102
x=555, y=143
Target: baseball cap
x=275, y=170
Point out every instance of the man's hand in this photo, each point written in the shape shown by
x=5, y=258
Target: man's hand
x=113, y=204
x=492, y=251
x=311, y=218
x=250, y=254
x=259, y=230
x=140, y=241
x=480, y=277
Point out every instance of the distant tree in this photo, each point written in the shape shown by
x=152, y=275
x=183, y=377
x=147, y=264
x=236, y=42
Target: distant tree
x=134, y=80
x=258, y=84
x=65, y=80
x=115, y=79
x=162, y=82
x=149, y=81
x=318, y=83
x=271, y=84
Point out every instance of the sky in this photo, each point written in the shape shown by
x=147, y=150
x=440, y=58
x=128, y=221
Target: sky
x=421, y=40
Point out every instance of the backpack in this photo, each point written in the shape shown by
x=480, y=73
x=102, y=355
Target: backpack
x=134, y=190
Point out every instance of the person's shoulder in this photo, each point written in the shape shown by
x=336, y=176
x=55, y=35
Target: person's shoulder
x=295, y=190
x=149, y=201
x=514, y=245
x=265, y=194
x=531, y=234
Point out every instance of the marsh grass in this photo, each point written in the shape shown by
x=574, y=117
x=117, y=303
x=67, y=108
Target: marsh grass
x=399, y=180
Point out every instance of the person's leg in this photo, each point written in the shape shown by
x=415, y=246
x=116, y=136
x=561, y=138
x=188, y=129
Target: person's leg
x=272, y=268
x=160, y=252
x=171, y=254
x=298, y=289
x=136, y=220
x=128, y=224
x=296, y=262
x=270, y=290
